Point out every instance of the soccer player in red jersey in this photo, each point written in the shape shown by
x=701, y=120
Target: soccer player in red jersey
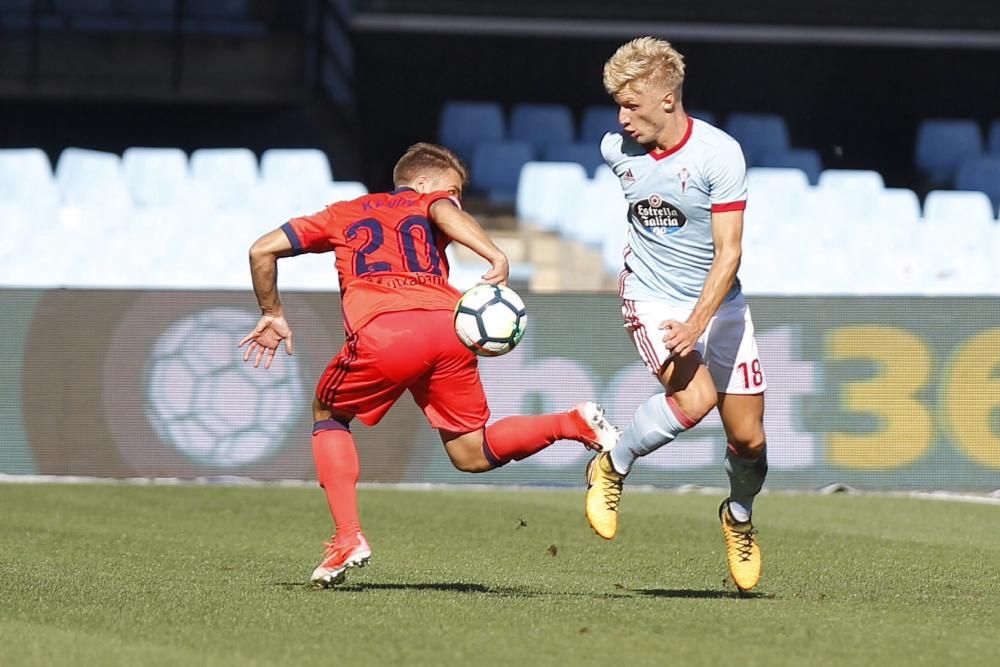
x=398, y=309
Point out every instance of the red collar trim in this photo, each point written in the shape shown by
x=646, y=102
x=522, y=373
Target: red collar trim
x=658, y=154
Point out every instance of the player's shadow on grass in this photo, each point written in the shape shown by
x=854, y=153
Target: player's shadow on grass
x=441, y=587
x=698, y=594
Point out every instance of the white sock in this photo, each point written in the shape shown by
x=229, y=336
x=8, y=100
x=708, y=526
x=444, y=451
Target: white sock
x=746, y=478
x=653, y=425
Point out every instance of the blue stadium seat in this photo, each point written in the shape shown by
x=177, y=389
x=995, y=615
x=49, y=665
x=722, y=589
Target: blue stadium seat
x=463, y=124
x=598, y=120
x=758, y=133
x=704, y=115
x=942, y=143
x=994, y=139
x=541, y=124
x=496, y=168
x=804, y=159
x=982, y=174
x=585, y=153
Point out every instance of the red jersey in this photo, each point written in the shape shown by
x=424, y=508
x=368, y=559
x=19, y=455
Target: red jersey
x=390, y=257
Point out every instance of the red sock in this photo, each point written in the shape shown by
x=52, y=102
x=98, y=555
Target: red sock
x=337, y=468
x=515, y=438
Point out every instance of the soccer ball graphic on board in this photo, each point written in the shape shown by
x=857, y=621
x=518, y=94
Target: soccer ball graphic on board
x=207, y=403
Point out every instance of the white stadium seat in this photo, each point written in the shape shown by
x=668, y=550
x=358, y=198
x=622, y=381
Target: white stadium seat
x=898, y=204
x=302, y=172
x=958, y=206
x=91, y=177
x=156, y=176
x=546, y=192
x=230, y=174
x=26, y=177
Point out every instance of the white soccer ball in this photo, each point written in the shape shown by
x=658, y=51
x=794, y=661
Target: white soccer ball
x=213, y=408
x=490, y=320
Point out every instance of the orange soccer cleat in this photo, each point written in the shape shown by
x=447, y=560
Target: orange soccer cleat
x=338, y=558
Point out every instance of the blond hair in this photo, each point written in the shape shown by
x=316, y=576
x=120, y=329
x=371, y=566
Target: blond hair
x=424, y=157
x=645, y=62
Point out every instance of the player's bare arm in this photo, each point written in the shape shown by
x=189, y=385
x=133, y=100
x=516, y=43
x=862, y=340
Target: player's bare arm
x=271, y=328
x=462, y=228
x=727, y=235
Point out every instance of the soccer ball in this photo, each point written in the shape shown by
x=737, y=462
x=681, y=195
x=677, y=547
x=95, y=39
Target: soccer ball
x=490, y=320
x=215, y=410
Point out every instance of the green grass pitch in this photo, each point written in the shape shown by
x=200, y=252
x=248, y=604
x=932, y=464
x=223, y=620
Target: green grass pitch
x=192, y=575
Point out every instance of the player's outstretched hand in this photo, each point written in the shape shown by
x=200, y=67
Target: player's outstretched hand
x=265, y=339
x=680, y=337
x=499, y=271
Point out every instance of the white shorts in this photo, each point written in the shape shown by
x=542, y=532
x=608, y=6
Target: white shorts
x=727, y=346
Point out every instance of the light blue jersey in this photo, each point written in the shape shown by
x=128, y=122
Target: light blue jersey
x=671, y=197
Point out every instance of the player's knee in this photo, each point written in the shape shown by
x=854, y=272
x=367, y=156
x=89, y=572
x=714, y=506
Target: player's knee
x=749, y=446
x=466, y=453
x=697, y=400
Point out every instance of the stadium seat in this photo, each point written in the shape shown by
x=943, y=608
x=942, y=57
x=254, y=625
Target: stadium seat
x=461, y=125
x=850, y=195
x=230, y=174
x=26, y=177
x=804, y=159
x=546, y=192
x=303, y=172
x=758, y=133
x=958, y=207
x=599, y=209
x=91, y=177
x=496, y=168
x=155, y=176
x=541, y=124
x=898, y=206
x=702, y=114
x=981, y=174
x=942, y=144
x=773, y=196
x=994, y=138
x=586, y=154
x=597, y=121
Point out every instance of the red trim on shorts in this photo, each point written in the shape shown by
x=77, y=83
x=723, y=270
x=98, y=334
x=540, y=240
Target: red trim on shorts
x=729, y=206
x=642, y=341
x=329, y=390
x=657, y=154
x=685, y=421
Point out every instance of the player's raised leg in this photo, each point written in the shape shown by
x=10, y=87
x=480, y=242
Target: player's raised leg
x=690, y=395
x=520, y=436
x=337, y=469
x=746, y=466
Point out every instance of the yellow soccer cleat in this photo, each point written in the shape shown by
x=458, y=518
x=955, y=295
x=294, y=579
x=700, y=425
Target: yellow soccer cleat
x=742, y=551
x=604, y=492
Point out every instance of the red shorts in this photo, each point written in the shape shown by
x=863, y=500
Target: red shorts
x=416, y=350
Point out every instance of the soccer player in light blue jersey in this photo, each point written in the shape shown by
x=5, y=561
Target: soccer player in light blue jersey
x=685, y=183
